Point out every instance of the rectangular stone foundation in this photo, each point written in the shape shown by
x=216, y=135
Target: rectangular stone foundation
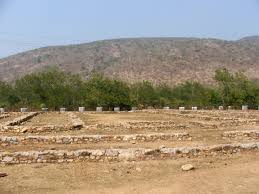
x=21, y=119
x=131, y=154
x=81, y=139
x=246, y=134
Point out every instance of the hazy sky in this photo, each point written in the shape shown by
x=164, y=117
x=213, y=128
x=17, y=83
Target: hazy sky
x=28, y=24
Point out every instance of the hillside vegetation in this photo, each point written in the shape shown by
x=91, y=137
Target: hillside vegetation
x=169, y=60
x=54, y=89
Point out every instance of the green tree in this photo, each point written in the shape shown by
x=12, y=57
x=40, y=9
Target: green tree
x=165, y=94
x=7, y=95
x=108, y=93
x=144, y=94
x=192, y=94
x=51, y=87
x=236, y=89
x=224, y=79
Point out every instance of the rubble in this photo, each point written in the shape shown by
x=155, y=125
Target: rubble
x=21, y=119
x=187, y=167
x=77, y=123
x=80, y=139
x=36, y=129
x=130, y=154
x=246, y=134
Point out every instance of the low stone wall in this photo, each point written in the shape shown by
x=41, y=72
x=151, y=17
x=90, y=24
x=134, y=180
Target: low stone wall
x=131, y=154
x=77, y=123
x=15, y=127
x=21, y=119
x=220, y=117
x=4, y=115
x=248, y=134
x=81, y=139
x=36, y=129
x=149, y=125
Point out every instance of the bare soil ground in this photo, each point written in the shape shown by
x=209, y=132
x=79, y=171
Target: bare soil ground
x=238, y=173
x=48, y=118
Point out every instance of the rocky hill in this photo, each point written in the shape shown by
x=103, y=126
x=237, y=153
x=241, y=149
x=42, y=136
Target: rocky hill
x=171, y=60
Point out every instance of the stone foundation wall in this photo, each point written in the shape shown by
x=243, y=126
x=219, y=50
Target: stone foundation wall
x=21, y=119
x=81, y=139
x=77, y=123
x=3, y=115
x=151, y=125
x=217, y=118
x=36, y=129
x=131, y=154
x=248, y=134
x=15, y=127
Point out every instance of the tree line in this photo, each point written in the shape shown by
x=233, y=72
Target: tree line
x=54, y=88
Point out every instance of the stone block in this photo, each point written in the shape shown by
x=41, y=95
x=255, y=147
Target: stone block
x=81, y=109
x=63, y=109
x=181, y=108
x=2, y=110
x=244, y=107
x=44, y=109
x=24, y=109
x=194, y=108
x=99, y=109
x=116, y=109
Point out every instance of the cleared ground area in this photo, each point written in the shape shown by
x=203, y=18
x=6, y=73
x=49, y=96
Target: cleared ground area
x=48, y=118
x=236, y=174
x=131, y=152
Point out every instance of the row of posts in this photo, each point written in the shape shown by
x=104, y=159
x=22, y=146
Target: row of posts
x=80, y=109
x=117, y=109
x=244, y=107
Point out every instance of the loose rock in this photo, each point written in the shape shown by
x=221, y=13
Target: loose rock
x=138, y=169
x=187, y=167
